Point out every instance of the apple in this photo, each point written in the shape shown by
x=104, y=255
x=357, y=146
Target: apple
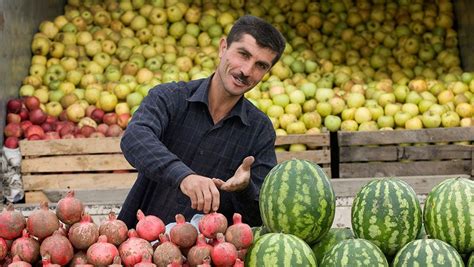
x=32, y=102
x=392, y=108
x=97, y=115
x=51, y=135
x=414, y=123
x=123, y=119
x=25, y=124
x=401, y=117
x=450, y=119
x=75, y=112
x=281, y=100
x=102, y=128
x=349, y=126
x=311, y=120
x=121, y=108
x=297, y=127
x=362, y=114
x=285, y=119
x=64, y=129
x=324, y=108
x=114, y=130
x=431, y=119
x=11, y=142
x=466, y=122
x=275, y=111
x=37, y=116
x=465, y=110
x=385, y=121
x=108, y=101
x=110, y=118
x=12, y=117
x=13, y=129
x=47, y=127
x=34, y=130
x=14, y=105
x=53, y=108
x=368, y=126
x=324, y=94
x=332, y=123
x=411, y=109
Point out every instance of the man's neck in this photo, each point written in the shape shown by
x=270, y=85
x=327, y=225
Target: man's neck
x=220, y=103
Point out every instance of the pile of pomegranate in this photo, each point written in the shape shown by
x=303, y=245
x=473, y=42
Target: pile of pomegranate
x=69, y=236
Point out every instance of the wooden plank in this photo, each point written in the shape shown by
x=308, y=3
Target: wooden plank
x=396, y=153
x=79, y=181
x=349, y=187
x=78, y=163
x=91, y=196
x=317, y=156
x=406, y=136
x=385, y=169
x=312, y=139
x=70, y=146
x=35, y=197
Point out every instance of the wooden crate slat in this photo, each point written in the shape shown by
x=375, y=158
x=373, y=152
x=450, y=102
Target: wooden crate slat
x=421, y=184
x=406, y=136
x=313, y=139
x=91, y=195
x=317, y=156
x=395, y=153
x=79, y=163
x=381, y=169
x=79, y=181
x=36, y=197
x=70, y=146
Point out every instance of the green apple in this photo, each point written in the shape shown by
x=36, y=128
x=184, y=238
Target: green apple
x=349, y=126
x=332, y=123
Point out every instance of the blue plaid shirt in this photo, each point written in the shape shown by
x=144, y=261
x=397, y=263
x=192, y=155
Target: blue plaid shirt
x=172, y=135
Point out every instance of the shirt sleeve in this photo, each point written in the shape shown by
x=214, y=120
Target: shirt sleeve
x=246, y=202
x=141, y=143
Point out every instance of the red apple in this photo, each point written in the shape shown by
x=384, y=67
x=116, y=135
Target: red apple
x=51, y=135
x=114, y=130
x=63, y=116
x=11, y=142
x=14, y=105
x=51, y=119
x=89, y=110
x=13, y=117
x=47, y=127
x=25, y=124
x=32, y=102
x=68, y=136
x=87, y=130
x=34, y=130
x=34, y=137
x=66, y=129
x=24, y=114
x=102, y=128
x=37, y=116
x=123, y=119
x=97, y=115
x=79, y=135
x=110, y=118
x=13, y=129
x=97, y=135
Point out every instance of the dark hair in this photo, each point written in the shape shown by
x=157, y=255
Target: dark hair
x=264, y=33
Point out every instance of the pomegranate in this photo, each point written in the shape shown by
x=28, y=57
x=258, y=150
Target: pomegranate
x=166, y=252
x=183, y=234
x=133, y=248
x=79, y=257
x=58, y=247
x=26, y=248
x=117, y=262
x=43, y=222
x=17, y=262
x=238, y=263
x=212, y=223
x=145, y=262
x=241, y=253
x=102, y=253
x=84, y=233
x=69, y=209
x=199, y=252
x=175, y=263
x=12, y=223
x=224, y=253
x=3, y=249
x=149, y=227
x=239, y=234
x=115, y=230
x=206, y=263
x=81, y=262
x=46, y=261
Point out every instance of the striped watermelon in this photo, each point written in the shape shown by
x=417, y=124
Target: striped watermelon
x=449, y=213
x=329, y=240
x=422, y=232
x=258, y=231
x=278, y=249
x=428, y=252
x=354, y=252
x=388, y=213
x=470, y=263
x=297, y=198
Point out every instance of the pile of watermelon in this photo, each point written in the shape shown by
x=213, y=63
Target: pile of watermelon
x=389, y=226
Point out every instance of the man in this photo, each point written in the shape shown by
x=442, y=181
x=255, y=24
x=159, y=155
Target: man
x=201, y=146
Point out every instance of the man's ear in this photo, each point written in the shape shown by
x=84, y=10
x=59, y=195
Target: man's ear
x=222, y=46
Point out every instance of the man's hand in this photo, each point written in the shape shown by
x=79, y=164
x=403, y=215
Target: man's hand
x=241, y=178
x=202, y=191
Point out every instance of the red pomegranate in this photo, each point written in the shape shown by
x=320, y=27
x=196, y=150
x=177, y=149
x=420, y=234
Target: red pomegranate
x=43, y=222
x=117, y=262
x=133, y=248
x=115, y=230
x=212, y=223
x=206, y=263
x=46, y=261
x=58, y=247
x=199, y=252
x=224, y=253
x=241, y=253
x=145, y=262
x=27, y=248
x=12, y=223
x=17, y=262
x=239, y=234
x=79, y=257
x=69, y=209
x=238, y=263
x=166, y=252
x=183, y=234
x=102, y=252
x=149, y=227
x=84, y=233
x=3, y=249
x=82, y=263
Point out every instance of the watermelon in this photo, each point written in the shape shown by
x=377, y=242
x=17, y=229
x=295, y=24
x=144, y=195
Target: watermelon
x=428, y=252
x=449, y=213
x=470, y=262
x=422, y=232
x=258, y=231
x=297, y=198
x=278, y=249
x=329, y=240
x=354, y=252
x=386, y=212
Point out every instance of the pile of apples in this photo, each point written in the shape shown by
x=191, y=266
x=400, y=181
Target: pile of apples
x=348, y=65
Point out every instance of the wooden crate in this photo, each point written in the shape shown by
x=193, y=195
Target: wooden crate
x=97, y=170
x=424, y=152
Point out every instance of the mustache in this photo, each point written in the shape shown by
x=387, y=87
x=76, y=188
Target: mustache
x=243, y=78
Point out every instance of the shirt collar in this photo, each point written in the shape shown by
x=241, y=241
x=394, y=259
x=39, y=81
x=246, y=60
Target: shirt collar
x=201, y=95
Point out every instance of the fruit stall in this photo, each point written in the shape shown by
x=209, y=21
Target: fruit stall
x=372, y=103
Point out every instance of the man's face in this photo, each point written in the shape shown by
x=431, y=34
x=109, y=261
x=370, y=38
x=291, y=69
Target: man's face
x=243, y=64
